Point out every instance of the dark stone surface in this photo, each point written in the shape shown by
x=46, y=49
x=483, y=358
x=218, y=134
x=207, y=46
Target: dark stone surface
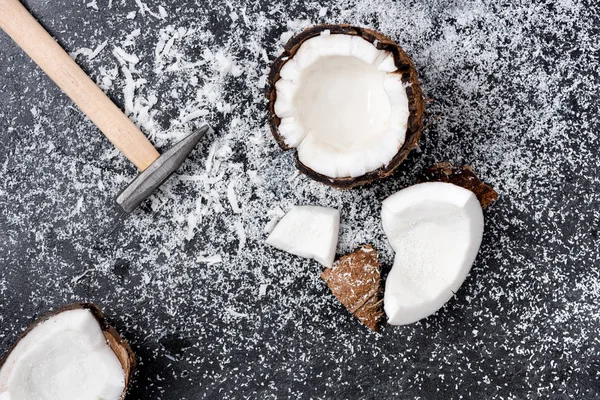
x=514, y=90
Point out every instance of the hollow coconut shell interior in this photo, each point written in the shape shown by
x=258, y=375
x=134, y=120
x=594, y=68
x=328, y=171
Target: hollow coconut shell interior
x=409, y=75
x=117, y=344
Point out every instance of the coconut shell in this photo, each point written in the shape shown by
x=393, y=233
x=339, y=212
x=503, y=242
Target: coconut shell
x=117, y=344
x=355, y=280
x=414, y=93
x=460, y=176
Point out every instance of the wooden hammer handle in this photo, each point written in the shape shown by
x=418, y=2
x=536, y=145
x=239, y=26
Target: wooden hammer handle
x=18, y=23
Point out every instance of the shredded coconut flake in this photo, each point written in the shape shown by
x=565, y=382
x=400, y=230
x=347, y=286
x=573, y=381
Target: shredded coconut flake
x=210, y=260
x=231, y=196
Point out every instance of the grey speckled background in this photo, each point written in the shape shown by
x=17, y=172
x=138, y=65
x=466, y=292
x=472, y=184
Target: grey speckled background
x=514, y=89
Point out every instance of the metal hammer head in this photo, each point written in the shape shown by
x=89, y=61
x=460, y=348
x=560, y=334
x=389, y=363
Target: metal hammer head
x=158, y=172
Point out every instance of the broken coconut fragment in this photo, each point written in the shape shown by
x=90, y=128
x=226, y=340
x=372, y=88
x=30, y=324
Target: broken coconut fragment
x=70, y=354
x=462, y=176
x=355, y=279
x=348, y=100
x=308, y=231
x=435, y=228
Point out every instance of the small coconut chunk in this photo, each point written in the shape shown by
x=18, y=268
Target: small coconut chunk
x=308, y=231
x=462, y=176
x=435, y=228
x=355, y=280
x=65, y=357
x=342, y=106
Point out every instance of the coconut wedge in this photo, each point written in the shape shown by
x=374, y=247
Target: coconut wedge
x=348, y=100
x=435, y=228
x=69, y=354
x=308, y=231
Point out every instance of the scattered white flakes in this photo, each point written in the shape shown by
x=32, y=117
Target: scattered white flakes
x=125, y=58
x=141, y=6
x=233, y=15
x=192, y=223
x=211, y=157
x=130, y=39
x=214, y=179
x=262, y=81
x=82, y=51
x=224, y=152
x=77, y=209
x=262, y=290
x=216, y=202
x=167, y=46
x=323, y=12
x=128, y=91
x=162, y=12
x=107, y=77
x=232, y=197
x=236, y=70
x=210, y=260
x=298, y=24
x=98, y=50
x=183, y=177
x=131, y=15
x=236, y=314
x=241, y=234
x=193, y=115
x=89, y=53
x=79, y=277
x=285, y=36
x=275, y=214
x=92, y=4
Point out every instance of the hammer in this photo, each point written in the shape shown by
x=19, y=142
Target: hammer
x=154, y=168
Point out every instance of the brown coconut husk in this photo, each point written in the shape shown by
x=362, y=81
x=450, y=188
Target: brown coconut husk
x=117, y=344
x=461, y=176
x=355, y=279
x=405, y=67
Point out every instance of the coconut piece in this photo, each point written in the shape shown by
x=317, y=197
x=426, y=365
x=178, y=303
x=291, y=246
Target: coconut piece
x=460, y=176
x=435, y=228
x=348, y=100
x=308, y=231
x=355, y=280
x=71, y=353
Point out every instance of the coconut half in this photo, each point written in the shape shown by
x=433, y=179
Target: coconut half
x=435, y=228
x=308, y=231
x=70, y=354
x=348, y=100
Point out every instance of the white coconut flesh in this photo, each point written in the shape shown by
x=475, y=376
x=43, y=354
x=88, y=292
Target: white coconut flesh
x=308, y=231
x=341, y=105
x=65, y=357
x=435, y=229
